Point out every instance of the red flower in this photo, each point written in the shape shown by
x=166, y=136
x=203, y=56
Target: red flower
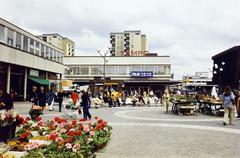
x=56, y=119
x=24, y=135
x=100, y=121
x=53, y=137
x=52, y=127
x=74, y=122
x=71, y=133
x=69, y=140
x=63, y=120
x=28, y=118
x=104, y=123
x=38, y=118
x=99, y=127
x=79, y=132
x=70, y=126
x=81, y=127
x=82, y=120
x=96, y=118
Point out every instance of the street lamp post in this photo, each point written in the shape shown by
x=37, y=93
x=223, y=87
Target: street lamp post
x=104, y=61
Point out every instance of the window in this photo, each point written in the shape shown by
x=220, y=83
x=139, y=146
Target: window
x=123, y=70
x=31, y=42
x=136, y=68
x=1, y=33
x=10, y=37
x=42, y=50
x=18, y=40
x=25, y=43
x=110, y=70
x=51, y=54
x=84, y=70
x=159, y=70
x=97, y=70
x=45, y=39
x=47, y=53
x=54, y=36
x=149, y=68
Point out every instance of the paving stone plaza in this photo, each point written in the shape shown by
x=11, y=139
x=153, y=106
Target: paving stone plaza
x=142, y=132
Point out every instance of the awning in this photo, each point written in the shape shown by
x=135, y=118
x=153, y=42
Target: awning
x=38, y=80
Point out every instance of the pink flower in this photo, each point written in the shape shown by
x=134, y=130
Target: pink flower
x=105, y=129
x=92, y=133
x=72, y=130
x=62, y=125
x=59, y=139
x=76, y=147
x=68, y=146
x=63, y=131
x=86, y=128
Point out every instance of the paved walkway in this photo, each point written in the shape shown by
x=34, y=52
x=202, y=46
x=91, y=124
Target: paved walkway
x=146, y=132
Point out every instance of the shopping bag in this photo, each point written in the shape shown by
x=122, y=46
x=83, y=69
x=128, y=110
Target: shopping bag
x=46, y=106
x=51, y=106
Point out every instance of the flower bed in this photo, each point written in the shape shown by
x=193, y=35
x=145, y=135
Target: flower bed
x=60, y=138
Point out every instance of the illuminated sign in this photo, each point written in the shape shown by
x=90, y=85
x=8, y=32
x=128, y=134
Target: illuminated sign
x=142, y=74
x=134, y=53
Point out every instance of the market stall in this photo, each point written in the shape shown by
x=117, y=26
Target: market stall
x=183, y=105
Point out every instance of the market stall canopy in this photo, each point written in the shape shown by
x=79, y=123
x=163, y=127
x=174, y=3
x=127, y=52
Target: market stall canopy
x=38, y=80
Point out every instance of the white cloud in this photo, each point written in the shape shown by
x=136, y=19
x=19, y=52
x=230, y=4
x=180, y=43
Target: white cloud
x=190, y=31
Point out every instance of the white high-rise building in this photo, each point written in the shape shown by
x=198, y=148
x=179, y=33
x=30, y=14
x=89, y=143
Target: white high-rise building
x=64, y=43
x=128, y=43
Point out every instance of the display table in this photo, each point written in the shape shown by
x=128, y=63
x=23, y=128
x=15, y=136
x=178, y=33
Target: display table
x=210, y=107
x=183, y=108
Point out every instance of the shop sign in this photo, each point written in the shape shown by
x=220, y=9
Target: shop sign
x=98, y=84
x=34, y=73
x=142, y=74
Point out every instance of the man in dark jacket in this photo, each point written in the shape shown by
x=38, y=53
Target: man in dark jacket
x=33, y=96
x=85, y=106
x=6, y=103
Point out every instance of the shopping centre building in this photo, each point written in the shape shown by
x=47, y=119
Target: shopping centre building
x=26, y=60
x=141, y=73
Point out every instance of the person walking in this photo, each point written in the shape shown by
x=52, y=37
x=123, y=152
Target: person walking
x=238, y=103
x=6, y=103
x=50, y=100
x=42, y=98
x=34, y=96
x=228, y=98
x=60, y=96
x=85, y=106
x=166, y=99
x=75, y=97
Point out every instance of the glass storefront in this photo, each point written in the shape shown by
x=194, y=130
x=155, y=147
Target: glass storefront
x=117, y=69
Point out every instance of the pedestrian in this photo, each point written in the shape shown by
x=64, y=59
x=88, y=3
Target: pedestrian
x=60, y=96
x=228, y=99
x=238, y=103
x=75, y=97
x=6, y=103
x=50, y=100
x=33, y=96
x=42, y=97
x=140, y=98
x=85, y=106
x=166, y=100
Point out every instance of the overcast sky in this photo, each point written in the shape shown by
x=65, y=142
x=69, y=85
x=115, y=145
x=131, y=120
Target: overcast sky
x=190, y=31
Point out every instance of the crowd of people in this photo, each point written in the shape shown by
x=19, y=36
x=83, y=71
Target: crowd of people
x=83, y=100
x=46, y=100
